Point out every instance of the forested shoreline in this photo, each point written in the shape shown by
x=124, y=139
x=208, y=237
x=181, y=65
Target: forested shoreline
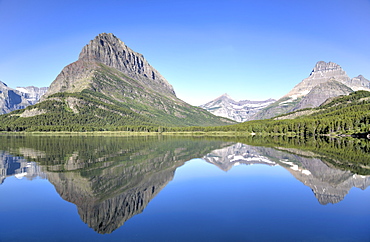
x=346, y=115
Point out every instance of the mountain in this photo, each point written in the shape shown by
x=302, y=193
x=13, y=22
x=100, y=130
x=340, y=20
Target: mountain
x=109, y=86
x=32, y=94
x=241, y=111
x=326, y=80
x=14, y=99
x=97, y=66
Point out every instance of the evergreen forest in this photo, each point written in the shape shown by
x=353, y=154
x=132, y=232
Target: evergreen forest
x=344, y=115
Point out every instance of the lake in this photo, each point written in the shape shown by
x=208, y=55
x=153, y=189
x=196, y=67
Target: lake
x=161, y=188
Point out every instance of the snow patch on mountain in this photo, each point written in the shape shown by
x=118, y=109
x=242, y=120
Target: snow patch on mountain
x=239, y=111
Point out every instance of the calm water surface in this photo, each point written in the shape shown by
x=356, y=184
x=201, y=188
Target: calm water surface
x=182, y=189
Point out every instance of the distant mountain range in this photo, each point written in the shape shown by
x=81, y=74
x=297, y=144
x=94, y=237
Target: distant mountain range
x=327, y=80
x=19, y=98
x=111, y=85
x=240, y=111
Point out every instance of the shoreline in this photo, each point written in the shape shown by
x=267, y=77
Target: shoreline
x=182, y=133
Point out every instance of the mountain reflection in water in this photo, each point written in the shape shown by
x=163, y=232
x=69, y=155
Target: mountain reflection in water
x=330, y=185
x=111, y=179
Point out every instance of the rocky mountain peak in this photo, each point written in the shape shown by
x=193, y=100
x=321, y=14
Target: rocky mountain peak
x=321, y=73
x=98, y=47
x=322, y=66
x=111, y=51
x=225, y=95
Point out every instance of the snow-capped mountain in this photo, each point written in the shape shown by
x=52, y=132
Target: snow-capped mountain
x=240, y=111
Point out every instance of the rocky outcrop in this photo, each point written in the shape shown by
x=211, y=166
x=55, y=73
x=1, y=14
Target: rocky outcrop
x=239, y=111
x=325, y=81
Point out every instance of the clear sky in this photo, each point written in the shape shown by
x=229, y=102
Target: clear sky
x=249, y=49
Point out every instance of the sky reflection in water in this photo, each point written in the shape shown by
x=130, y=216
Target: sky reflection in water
x=200, y=202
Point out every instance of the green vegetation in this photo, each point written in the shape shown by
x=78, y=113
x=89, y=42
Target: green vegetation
x=113, y=102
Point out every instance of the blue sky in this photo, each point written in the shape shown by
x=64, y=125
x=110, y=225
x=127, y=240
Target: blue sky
x=249, y=49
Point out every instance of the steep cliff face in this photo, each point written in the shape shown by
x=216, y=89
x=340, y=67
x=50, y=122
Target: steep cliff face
x=240, y=111
x=326, y=80
x=110, y=51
